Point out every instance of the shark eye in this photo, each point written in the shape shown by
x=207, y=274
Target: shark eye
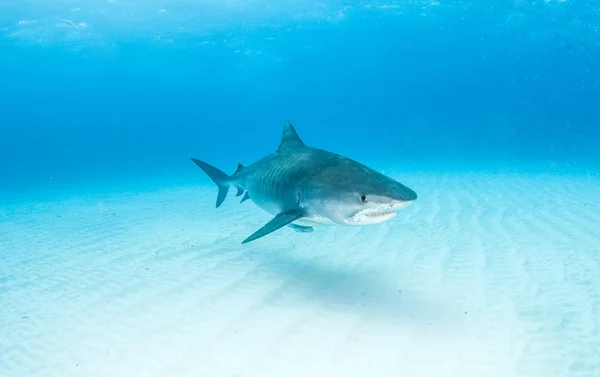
x=363, y=198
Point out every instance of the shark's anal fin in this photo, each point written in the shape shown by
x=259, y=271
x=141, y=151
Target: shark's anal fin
x=277, y=222
x=240, y=191
x=246, y=197
x=301, y=228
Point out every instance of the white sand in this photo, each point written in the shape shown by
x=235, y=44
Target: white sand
x=486, y=275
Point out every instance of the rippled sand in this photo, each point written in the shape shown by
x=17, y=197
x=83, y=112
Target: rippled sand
x=485, y=275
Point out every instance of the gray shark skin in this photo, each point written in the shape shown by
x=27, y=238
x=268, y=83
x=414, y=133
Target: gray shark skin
x=302, y=186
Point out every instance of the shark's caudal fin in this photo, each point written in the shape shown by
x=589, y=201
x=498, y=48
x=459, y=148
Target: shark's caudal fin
x=218, y=176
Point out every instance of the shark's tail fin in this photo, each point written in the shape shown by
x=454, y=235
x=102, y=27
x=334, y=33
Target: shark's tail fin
x=218, y=176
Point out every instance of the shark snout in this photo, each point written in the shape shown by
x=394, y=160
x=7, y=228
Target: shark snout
x=393, y=203
x=404, y=195
x=397, y=196
x=409, y=195
x=397, y=205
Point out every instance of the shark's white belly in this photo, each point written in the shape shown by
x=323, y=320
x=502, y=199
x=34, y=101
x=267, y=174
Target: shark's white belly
x=267, y=203
x=268, y=206
x=275, y=207
x=313, y=220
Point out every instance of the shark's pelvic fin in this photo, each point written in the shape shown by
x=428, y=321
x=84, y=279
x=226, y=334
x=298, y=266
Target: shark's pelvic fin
x=301, y=228
x=246, y=197
x=289, y=138
x=277, y=222
x=218, y=177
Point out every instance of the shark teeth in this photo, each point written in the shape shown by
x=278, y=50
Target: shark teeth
x=378, y=214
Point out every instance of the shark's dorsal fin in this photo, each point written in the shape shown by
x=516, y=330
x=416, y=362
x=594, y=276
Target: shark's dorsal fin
x=240, y=167
x=289, y=138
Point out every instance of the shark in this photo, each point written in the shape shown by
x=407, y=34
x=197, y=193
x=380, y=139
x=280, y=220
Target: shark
x=302, y=187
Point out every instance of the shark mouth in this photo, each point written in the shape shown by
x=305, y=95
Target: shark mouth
x=380, y=214
x=366, y=218
x=377, y=215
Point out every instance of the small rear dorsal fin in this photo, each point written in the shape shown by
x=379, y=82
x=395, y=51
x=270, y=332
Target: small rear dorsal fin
x=240, y=167
x=289, y=138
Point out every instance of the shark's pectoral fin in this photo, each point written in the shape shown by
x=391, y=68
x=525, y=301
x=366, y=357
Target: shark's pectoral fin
x=246, y=197
x=277, y=222
x=301, y=228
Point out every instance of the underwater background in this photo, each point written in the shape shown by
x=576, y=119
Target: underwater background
x=115, y=262
x=128, y=89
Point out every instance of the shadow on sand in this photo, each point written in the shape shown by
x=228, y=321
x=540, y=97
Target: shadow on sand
x=373, y=293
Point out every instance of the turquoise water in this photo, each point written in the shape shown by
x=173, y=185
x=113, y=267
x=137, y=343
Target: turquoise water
x=133, y=89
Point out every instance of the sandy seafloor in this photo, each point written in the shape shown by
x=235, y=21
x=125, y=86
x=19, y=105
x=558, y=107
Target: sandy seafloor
x=485, y=275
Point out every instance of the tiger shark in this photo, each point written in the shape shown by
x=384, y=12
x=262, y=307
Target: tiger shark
x=302, y=186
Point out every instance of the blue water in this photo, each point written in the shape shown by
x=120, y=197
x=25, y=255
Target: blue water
x=111, y=248
x=129, y=90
